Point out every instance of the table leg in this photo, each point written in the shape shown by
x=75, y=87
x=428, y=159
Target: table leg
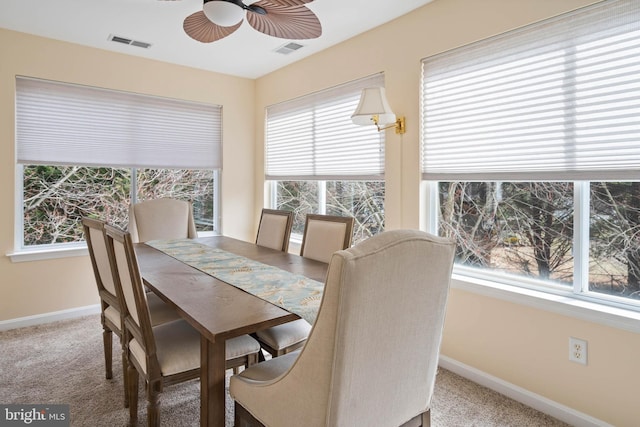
x=212, y=386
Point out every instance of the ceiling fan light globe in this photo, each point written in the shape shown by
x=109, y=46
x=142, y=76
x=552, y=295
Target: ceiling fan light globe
x=223, y=13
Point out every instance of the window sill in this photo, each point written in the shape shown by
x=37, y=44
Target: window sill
x=26, y=255
x=70, y=250
x=606, y=315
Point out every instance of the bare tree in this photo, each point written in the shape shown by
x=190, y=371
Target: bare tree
x=615, y=235
x=468, y=215
x=541, y=213
x=523, y=228
x=300, y=197
x=364, y=200
x=57, y=197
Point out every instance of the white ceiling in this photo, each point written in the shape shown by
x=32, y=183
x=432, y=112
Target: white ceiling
x=245, y=53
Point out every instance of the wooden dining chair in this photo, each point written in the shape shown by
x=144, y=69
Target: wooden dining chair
x=274, y=229
x=349, y=373
x=325, y=234
x=162, y=218
x=274, y=232
x=165, y=354
x=110, y=308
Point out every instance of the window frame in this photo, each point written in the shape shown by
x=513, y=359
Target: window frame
x=272, y=200
x=22, y=253
x=533, y=291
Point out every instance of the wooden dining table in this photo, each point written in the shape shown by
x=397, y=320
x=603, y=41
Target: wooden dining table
x=218, y=310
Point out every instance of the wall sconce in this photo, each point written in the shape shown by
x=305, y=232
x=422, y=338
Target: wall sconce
x=374, y=108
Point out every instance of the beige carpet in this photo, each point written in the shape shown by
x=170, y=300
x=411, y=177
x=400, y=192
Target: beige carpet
x=62, y=363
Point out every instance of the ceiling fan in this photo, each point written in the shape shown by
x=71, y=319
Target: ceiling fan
x=286, y=19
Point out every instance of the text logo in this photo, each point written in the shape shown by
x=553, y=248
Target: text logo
x=35, y=415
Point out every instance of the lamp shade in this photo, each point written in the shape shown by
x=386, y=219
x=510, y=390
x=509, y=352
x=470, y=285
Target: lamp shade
x=373, y=102
x=223, y=13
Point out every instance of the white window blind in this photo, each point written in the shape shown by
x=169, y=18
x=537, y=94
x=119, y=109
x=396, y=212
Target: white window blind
x=558, y=99
x=313, y=137
x=64, y=124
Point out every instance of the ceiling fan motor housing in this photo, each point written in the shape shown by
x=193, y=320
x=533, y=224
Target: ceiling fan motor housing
x=287, y=19
x=252, y=7
x=222, y=12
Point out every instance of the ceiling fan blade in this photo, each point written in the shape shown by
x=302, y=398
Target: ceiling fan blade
x=285, y=22
x=199, y=28
x=289, y=3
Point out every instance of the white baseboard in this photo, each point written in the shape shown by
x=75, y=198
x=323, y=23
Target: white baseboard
x=38, y=319
x=533, y=400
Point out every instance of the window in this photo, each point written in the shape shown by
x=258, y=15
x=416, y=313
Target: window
x=87, y=151
x=318, y=161
x=532, y=156
x=364, y=200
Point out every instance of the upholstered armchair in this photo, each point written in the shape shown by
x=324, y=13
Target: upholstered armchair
x=372, y=355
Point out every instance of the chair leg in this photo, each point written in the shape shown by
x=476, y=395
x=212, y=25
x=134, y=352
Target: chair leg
x=153, y=403
x=252, y=359
x=125, y=376
x=107, y=339
x=133, y=394
x=421, y=420
x=260, y=354
x=242, y=417
x=426, y=418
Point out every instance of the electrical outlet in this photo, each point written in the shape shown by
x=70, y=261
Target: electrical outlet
x=578, y=350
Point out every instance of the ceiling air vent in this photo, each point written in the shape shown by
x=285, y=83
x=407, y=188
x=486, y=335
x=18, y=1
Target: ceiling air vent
x=124, y=40
x=288, y=48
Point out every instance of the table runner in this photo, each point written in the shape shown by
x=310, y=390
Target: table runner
x=293, y=292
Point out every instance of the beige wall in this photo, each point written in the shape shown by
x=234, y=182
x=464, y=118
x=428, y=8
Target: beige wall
x=529, y=347
x=525, y=346
x=31, y=288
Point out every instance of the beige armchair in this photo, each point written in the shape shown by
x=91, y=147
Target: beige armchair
x=162, y=218
x=372, y=355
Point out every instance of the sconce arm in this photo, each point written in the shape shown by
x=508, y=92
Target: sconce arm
x=399, y=125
